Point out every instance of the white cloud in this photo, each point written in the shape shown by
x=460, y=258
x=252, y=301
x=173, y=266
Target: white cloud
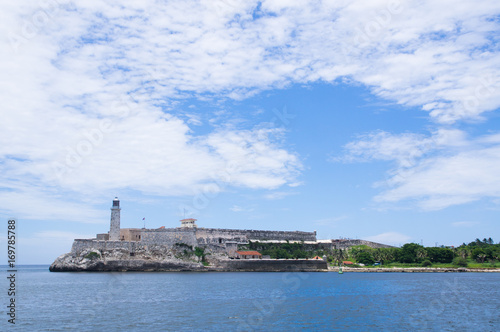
x=390, y=238
x=439, y=56
x=278, y=195
x=237, y=208
x=68, y=67
x=41, y=204
x=437, y=171
x=383, y=146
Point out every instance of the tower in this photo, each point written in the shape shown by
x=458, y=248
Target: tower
x=114, y=227
x=189, y=223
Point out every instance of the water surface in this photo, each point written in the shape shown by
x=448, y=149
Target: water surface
x=255, y=301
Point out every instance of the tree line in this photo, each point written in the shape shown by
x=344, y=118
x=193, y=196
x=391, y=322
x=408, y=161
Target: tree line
x=480, y=251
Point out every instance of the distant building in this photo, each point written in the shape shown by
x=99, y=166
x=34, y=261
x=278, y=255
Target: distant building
x=189, y=223
x=249, y=255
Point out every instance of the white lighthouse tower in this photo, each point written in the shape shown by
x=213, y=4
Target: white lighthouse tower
x=114, y=227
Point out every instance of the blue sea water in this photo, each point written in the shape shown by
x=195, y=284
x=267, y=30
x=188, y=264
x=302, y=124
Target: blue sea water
x=241, y=301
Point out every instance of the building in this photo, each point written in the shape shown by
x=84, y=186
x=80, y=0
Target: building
x=215, y=240
x=188, y=223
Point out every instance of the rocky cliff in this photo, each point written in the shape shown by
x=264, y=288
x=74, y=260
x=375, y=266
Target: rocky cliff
x=160, y=258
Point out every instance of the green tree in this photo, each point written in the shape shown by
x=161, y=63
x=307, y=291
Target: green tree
x=463, y=252
x=365, y=257
x=420, y=254
x=478, y=251
x=481, y=257
x=408, y=253
x=440, y=255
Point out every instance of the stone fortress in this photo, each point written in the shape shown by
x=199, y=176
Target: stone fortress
x=214, y=240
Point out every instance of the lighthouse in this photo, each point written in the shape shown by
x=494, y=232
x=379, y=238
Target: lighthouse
x=114, y=227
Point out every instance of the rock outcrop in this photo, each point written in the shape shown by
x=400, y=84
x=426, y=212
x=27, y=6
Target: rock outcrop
x=159, y=258
x=156, y=259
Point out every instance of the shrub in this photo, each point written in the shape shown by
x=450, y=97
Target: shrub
x=93, y=255
x=200, y=252
x=426, y=263
x=459, y=261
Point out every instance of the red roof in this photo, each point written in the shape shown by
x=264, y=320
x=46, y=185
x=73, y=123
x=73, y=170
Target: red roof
x=248, y=253
x=348, y=262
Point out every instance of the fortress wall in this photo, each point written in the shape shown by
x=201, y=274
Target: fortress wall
x=169, y=236
x=80, y=245
x=280, y=235
x=345, y=244
x=270, y=265
x=207, y=236
x=215, y=235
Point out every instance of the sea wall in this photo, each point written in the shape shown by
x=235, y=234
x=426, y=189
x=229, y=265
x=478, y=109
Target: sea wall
x=274, y=265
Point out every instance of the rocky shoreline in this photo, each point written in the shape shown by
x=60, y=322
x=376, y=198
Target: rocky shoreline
x=117, y=260
x=410, y=269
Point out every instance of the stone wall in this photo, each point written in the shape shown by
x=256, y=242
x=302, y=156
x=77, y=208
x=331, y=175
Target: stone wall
x=206, y=236
x=215, y=235
x=270, y=265
x=280, y=235
x=169, y=236
x=80, y=245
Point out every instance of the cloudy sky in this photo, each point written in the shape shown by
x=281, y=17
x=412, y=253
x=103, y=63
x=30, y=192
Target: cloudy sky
x=360, y=119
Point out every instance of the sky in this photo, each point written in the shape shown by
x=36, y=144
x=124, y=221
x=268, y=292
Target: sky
x=376, y=120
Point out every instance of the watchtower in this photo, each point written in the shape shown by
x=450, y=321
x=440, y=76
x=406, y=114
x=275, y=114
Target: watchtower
x=188, y=223
x=114, y=227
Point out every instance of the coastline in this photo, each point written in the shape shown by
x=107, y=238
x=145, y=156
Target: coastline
x=411, y=269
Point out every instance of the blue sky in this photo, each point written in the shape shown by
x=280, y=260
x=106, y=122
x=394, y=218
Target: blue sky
x=376, y=120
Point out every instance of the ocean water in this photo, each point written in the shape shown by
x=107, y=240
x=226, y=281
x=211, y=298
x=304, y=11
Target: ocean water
x=243, y=301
